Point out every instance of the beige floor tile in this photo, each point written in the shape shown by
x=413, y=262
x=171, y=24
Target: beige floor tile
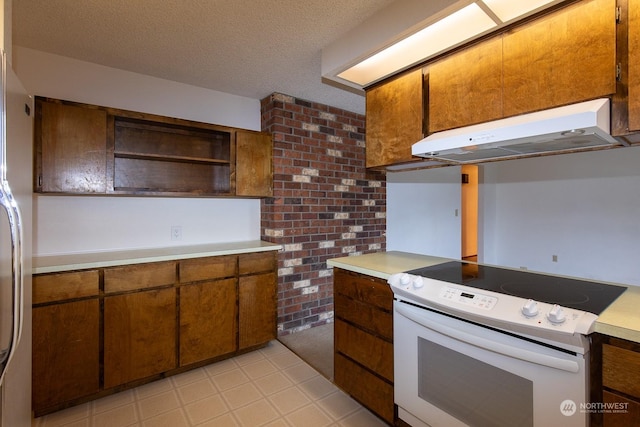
x=362, y=418
x=158, y=404
x=225, y=420
x=229, y=379
x=197, y=390
x=259, y=369
x=338, y=405
x=118, y=417
x=256, y=414
x=206, y=409
x=300, y=373
x=273, y=383
x=250, y=357
x=219, y=367
x=309, y=416
x=189, y=377
x=241, y=395
x=113, y=401
x=285, y=359
x=274, y=347
x=67, y=416
x=153, y=388
x=289, y=400
x=317, y=387
x=278, y=423
x=175, y=418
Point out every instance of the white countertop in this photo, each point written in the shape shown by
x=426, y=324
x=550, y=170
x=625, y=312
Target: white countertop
x=621, y=319
x=80, y=261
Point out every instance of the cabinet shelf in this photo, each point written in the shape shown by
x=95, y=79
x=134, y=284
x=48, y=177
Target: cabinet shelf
x=169, y=158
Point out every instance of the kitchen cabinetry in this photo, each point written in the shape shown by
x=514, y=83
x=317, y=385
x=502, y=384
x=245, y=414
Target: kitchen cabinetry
x=617, y=383
x=208, y=311
x=394, y=119
x=86, y=149
x=66, y=337
x=634, y=64
x=562, y=58
x=466, y=88
x=363, y=358
x=102, y=330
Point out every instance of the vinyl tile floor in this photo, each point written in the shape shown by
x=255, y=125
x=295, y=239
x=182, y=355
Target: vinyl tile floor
x=267, y=387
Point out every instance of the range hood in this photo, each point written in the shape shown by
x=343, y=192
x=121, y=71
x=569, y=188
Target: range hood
x=575, y=127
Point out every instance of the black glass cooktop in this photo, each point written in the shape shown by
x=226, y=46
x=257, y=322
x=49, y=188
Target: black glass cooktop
x=573, y=293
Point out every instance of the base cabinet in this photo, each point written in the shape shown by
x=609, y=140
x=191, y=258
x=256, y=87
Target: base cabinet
x=615, y=382
x=363, y=338
x=100, y=331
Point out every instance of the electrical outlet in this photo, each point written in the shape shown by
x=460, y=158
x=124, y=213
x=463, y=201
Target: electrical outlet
x=176, y=232
x=554, y=258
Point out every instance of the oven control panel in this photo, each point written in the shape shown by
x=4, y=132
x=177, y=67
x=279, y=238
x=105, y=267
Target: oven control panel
x=477, y=300
x=491, y=308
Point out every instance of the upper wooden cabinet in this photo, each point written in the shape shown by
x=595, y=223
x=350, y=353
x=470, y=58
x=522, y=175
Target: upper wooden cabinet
x=562, y=58
x=466, y=88
x=394, y=119
x=85, y=149
x=634, y=64
x=71, y=147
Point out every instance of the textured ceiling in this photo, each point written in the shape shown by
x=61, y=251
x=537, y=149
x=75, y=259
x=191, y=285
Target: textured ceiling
x=250, y=48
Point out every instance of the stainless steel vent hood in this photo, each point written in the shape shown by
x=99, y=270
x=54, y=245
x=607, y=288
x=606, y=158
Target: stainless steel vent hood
x=564, y=129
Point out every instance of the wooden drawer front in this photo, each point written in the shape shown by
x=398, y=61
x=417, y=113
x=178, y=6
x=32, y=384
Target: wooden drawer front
x=208, y=320
x=370, y=290
x=64, y=286
x=258, y=309
x=370, y=318
x=368, y=350
x=66, y=352
x=257, y=263
x=630, y=417
x=139, y=276
x=139, y=335
x=621, y=369
x=370, y=390
x=193, y=270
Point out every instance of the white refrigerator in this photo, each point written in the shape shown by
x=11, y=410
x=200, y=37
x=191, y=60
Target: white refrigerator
x=16, y=160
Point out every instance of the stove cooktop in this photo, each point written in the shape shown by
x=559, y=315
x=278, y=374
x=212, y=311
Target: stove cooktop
x=578, y=294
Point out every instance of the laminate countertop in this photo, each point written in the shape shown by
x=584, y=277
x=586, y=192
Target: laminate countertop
x=81, y=261
x=621, y=319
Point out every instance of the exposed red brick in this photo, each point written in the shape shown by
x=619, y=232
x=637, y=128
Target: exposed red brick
x=320, y=188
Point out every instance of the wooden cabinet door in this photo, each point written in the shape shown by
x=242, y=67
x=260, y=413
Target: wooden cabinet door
x=634, y=64
x=566, y=57
x=66, y=352
x=258, y=309
x=466, y=88
x=139, y=335
x=394, y=120
x=71, y=144
x=254, y=170
x=208, y=320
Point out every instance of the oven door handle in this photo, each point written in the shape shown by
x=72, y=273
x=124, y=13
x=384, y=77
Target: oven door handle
x=413, y=313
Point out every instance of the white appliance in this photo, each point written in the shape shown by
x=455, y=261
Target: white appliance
x=576, y=127
x=15, y=250
x=485, y=346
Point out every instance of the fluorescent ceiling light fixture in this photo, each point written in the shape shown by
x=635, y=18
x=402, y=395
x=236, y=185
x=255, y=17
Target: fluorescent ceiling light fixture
x=463, y=25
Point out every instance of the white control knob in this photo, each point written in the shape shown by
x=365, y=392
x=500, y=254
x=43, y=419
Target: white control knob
x=556, y=315
x=530, y=308
x=405, y=279
x=418, y=282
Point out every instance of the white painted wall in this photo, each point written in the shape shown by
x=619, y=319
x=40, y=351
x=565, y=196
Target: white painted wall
x=421, y=212
x=84, y=223
x=583, y=207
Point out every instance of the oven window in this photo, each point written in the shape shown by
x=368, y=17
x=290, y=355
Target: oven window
x=472, y=391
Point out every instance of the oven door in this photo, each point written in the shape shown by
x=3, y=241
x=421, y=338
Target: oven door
x=449, y=372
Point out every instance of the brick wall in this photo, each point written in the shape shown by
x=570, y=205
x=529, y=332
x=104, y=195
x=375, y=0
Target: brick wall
x=325, y=204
